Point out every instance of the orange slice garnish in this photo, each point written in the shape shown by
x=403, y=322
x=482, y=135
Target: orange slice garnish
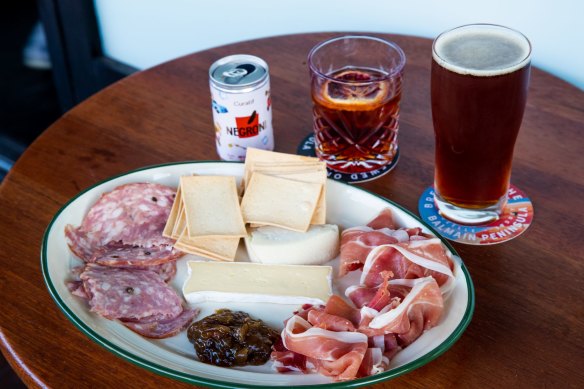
x=354, y=89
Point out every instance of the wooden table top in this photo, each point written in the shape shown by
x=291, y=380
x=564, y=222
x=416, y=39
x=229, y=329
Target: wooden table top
x=527, y=329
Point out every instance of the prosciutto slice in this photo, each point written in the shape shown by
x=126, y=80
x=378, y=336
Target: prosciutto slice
x=383, y=220
x=410, y=260
x=335, y=354
x=379, y=297
x=357, y=242
x=373, y=362
x=420, y=310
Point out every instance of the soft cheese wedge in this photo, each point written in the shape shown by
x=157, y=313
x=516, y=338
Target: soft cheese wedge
x=254, y=282
x=275, y=245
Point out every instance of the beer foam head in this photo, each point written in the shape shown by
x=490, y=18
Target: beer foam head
x=482, y=50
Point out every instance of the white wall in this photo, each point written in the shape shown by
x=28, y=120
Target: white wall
x=143, y=33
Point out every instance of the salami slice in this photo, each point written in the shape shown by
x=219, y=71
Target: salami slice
x=129, y=294
x=78, y=241
x=167, y=270
x=130, y=215
x=76, y=288
x=121, y=255
x=159, y=329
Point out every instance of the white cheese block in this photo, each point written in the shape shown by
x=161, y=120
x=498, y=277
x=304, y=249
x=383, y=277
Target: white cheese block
x=275, y=245
x=254, y=282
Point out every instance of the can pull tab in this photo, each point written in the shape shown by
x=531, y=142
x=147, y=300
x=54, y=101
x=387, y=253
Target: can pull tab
x=235, y=73
x=239, y=71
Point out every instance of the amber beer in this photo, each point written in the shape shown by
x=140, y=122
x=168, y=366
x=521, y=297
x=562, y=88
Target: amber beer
x=480, y=75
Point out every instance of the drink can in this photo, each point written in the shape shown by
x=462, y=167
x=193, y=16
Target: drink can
x=242, y=106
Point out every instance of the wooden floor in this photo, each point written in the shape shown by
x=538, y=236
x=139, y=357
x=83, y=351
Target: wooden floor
x=28, y=105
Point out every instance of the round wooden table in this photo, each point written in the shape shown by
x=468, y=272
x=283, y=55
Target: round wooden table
x=527, y=329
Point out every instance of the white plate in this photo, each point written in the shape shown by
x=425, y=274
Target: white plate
x=347, y=206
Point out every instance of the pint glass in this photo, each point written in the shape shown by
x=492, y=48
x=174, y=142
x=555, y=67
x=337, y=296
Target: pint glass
x=480, y=75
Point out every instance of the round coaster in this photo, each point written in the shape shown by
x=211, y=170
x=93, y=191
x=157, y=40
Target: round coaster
x=515, y=219
x=306, y=147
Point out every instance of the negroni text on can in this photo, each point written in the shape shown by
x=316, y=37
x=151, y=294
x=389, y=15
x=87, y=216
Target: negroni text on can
x=242, y=106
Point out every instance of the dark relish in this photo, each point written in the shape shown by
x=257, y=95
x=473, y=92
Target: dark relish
x=229, y=338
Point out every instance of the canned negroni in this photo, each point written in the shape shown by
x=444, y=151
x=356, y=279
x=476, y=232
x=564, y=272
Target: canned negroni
x=242, y=106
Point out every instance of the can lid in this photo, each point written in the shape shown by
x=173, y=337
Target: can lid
x=238, y=71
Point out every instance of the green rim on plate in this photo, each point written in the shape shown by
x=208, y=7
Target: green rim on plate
x=190, y=378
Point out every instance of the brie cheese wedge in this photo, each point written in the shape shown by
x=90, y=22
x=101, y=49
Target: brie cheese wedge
x=253, y=282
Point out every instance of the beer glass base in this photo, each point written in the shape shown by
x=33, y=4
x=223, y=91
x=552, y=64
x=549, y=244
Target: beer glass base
x=469, y=216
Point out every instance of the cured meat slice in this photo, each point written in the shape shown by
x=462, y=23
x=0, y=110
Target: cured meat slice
x=373, y=362
x=300, y=336
x=131, y=214
x=335, y=354
x=383, y=220
x=159, y=329
x=378, y=297
x=339, y=307
x=420, y=310
x=409, y=260
x=285, y=361
x=166, y=270
x=78, y=242
x=137, y=296
x=76, y=288
x=129, y=294
x=122, y=255
x=330, y=322
x=357, y=243
x=387, y=344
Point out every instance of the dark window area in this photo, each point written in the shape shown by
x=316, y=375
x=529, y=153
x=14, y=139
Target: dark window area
x=28, y=98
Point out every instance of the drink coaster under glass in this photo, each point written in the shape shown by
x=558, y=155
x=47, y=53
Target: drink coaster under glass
x=306, y=147
x=516, y=217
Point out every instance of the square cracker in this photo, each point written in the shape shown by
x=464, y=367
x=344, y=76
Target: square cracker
x=211, y=206
x=174, y=215
x=181, y=222
x=254, y=155
x=200, y=253
x=219, y=248
x=312, y=176
x=280, y=202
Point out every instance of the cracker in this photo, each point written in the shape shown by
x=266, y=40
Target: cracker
x=311, y=176
x=204, y=254
x=280, y=202
x=254, y=156
x=211, y=206
x=174, y=214
x=181, y=222
x=219, y=248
